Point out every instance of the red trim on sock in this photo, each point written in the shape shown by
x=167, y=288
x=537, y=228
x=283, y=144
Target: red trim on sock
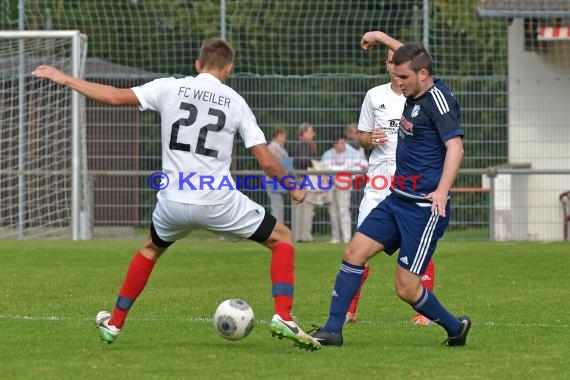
x=135, y=281
x=354, y=303
x=283, y=271
x=428, y=278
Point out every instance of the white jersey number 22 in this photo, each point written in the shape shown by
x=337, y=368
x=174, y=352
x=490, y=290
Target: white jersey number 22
x=186, y=122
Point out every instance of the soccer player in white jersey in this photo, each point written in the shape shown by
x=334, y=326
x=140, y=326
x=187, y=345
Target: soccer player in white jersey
x=199, y=119
x=379, y=118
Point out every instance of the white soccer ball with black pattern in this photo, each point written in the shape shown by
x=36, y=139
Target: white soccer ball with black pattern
x=234, y=319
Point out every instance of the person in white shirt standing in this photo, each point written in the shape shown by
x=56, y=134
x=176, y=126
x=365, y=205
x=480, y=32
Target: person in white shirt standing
x=277, y=194
x=199, y=119
x=341, y=157
x=357, y=192
x=378, y=130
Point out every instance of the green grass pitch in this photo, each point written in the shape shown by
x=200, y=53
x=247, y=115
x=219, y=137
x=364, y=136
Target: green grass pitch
x=515, y=293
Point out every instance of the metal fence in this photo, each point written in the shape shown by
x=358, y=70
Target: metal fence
x=511, y=204
x=309, y=68
x=124, y=148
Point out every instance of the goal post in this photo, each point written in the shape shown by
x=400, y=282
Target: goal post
x=42, y=159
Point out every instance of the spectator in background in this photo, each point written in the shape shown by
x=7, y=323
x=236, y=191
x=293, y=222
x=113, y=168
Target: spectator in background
x=305, y=153
x=352, y=137
x=277, y=196
x=342, y=157
x=357, y=192
x=353, y=141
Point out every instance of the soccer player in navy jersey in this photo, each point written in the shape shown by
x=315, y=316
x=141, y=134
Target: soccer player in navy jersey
x=417, y=211
x=380, y=114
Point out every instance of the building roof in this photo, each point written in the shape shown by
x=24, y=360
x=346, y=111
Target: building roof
x=99, y=67
x=94, y=67
x=524, y=8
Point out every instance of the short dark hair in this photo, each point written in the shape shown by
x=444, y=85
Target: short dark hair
x=216, y=53
x=420, y=57
x=340, y=136
x=277, y=131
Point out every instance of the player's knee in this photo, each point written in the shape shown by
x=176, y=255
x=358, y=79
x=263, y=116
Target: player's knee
x=403, y=291
x=353, y=255
x=407, y=289
x=360, y=249
x=283, y=231
x=151, y=251
x=280, y=234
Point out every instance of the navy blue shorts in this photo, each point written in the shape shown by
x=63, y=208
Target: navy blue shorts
x=412, y=227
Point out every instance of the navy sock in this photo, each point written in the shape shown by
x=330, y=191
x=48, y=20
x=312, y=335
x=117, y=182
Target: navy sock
x=345, y=287
x=429, y=306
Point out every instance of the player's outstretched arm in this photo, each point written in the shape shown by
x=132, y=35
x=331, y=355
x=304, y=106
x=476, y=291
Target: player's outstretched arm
x=95, y=91
x=369, y=39
x=272, y=167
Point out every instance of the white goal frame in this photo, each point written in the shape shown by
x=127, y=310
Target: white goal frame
x=77, y=169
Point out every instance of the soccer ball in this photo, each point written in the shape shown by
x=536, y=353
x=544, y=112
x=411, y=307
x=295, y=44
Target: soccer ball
x=233, y=319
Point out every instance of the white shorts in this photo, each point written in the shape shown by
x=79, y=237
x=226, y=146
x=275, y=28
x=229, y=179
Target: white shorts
x=379, y=176
x=235, y=220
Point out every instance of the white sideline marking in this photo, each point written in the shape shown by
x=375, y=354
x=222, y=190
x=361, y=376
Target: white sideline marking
x=56, y=318
x=207, y=319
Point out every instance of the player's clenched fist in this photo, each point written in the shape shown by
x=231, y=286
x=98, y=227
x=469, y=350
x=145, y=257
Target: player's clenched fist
x=378, y=137
x=49, y=72
x=369, y=39
x=298, y=195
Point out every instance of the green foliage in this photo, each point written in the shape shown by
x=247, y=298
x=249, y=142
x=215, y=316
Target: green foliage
x=293, y=37
x=472, y=46
x=9, y=14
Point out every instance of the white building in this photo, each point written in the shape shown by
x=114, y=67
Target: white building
x=527, y=206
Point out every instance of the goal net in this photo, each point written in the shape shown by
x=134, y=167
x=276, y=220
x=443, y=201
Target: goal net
x=41, y=148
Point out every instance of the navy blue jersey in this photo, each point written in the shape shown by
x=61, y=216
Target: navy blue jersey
x=427, y=122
